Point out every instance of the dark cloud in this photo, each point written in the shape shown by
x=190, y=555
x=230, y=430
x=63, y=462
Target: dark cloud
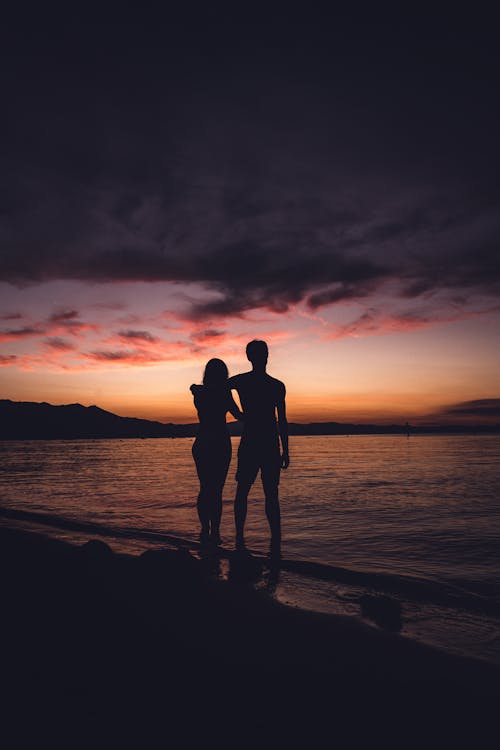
x=376, y=321
x=69, y=322
x=280, y=255
x=59, y=344
x=342, y=291
x=63, y=316
x=139, y=336
x=276, y=276
x=11, y=316
x=12, y=334
x=277, y=163
x=110, y=356
x=486, y=407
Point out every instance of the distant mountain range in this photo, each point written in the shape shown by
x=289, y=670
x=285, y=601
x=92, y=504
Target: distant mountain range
x=24, y=420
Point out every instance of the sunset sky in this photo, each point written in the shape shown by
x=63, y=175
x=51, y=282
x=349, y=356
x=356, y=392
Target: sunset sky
x=174, y=187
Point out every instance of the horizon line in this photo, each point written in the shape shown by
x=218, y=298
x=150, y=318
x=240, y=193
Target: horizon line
x=403, y=424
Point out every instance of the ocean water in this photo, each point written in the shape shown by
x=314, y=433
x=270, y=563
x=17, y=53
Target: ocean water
x=417, y=519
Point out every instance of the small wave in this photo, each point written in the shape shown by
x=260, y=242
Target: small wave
x=402, y=586
x=88, y=527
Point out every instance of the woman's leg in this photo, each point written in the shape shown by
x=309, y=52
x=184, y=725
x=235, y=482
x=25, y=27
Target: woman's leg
x=202, y=506
x=203, y=502
x=216, y=511
x=221, y=467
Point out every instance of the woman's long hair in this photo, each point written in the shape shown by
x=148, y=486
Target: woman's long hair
x=216, y=372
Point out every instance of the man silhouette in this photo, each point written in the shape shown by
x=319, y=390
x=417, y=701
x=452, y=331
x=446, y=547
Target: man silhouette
x=262, y=399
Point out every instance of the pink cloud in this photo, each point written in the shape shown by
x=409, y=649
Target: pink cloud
x=36, y=363
x=68, y=321
x=375, y=322
x=64, y=322
x=72, y=328
x=14, y=334
x=8, y=359
x=68, y=342
x=208, y=337
x=140, y=356
x=220, y=342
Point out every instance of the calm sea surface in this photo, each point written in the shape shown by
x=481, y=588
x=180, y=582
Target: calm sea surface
x=418, y=518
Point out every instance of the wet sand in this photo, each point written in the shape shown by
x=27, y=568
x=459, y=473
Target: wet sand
x=111, y=647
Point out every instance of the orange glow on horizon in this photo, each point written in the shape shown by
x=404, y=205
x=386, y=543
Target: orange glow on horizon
x=140, y=359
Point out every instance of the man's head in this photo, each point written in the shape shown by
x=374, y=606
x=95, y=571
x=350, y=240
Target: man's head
x=257, y=353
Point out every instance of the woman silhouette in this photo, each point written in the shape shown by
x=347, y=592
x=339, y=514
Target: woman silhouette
x=212, y=447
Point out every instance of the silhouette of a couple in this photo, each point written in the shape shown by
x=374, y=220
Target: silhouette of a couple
x=264, y=425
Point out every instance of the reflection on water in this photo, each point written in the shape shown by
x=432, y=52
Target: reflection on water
x=424, y=506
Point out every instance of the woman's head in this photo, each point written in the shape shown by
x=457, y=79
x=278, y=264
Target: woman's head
x=216, y=372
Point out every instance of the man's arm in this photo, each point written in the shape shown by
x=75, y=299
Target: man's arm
x=283, y=429
x=233, y=408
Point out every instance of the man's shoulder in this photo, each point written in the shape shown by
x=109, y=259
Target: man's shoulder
x=277, y=384
x=251, y=380
x=240, y=379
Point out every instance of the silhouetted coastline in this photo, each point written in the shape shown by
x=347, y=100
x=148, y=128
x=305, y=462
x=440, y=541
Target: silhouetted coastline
x=41, y=421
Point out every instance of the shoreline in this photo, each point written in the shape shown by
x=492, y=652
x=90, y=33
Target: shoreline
x=92, y=630
x=441, y=615
x=420, y=590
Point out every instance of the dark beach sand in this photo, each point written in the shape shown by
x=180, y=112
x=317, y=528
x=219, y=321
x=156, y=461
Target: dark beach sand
x=100, y=648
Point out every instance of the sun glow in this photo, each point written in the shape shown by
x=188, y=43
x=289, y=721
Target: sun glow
x=136, y=357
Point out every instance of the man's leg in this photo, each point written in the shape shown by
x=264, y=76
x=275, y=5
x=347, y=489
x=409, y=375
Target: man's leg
x=246, y=473
x=240, y=509
x=270, y=482
x=273, y=511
